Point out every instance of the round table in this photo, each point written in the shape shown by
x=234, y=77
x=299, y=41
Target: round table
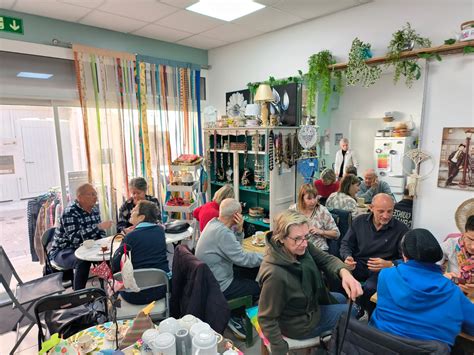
x=94, y=254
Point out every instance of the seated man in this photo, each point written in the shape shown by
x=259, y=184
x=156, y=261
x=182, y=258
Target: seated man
x=220, y=248
x=79, y=222
x=371, y=186
x=414, y=300
x=372, y=244
x=403, y=210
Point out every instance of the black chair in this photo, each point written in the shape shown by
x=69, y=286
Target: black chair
x=361, y=338
x=50, y=266
x=70, y=313
x=26, y=294
x=343, y=221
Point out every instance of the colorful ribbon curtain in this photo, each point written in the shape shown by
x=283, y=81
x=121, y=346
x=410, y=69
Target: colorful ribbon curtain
x=110, y=109
x=170, y=115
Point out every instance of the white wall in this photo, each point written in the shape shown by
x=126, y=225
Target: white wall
x=449, y=87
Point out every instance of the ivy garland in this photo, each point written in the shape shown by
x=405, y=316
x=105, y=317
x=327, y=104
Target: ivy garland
x=402, y=40
x=253, y=86
x=357, y=70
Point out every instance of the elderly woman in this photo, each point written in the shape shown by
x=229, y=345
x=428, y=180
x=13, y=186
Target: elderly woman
x=137, y=187
x=294, y=300
x=326, y=185
x=147, y=245
x=321, y=223
x=345, y=198
x=210, y=210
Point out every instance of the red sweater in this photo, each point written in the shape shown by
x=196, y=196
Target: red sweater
x=205, y=213
x=326, y=190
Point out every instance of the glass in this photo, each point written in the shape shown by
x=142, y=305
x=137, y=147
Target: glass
x=299, y=240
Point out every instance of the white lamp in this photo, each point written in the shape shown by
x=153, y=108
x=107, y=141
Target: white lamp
x=264, y=94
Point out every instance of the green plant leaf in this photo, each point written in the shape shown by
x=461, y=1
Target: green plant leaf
x=450, y=41
x=468, y=49
x=438, y=57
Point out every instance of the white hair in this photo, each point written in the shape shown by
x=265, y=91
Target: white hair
x=228, y=207
x=344, y=140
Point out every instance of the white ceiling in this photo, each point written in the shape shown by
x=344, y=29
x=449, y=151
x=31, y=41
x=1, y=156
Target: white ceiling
x=169, y=21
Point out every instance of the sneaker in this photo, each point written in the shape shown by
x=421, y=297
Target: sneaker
x=237, y=326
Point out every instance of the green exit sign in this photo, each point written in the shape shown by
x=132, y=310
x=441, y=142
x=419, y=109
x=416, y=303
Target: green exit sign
x=11, y=24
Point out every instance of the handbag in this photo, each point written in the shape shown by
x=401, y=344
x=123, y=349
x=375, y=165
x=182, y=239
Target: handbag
x=176, y=227
x=127, y=273
x=102, y=270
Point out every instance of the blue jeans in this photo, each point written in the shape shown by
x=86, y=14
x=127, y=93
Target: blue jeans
x=330, y=315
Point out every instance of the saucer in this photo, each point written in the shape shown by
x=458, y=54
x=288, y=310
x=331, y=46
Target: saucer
x=89, y=349
x=258, y=244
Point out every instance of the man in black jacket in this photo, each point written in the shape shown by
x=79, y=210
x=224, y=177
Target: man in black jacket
x=403, y=210
x=455, y=161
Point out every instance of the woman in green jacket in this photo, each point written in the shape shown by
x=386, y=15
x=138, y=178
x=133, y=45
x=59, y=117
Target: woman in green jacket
x=294, y=300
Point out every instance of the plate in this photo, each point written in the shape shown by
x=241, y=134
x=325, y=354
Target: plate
x=266, y=220
x=91, y=347
x=258, y=244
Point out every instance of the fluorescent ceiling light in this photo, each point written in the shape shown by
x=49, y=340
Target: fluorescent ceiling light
x=226, y=10
x=27, y=74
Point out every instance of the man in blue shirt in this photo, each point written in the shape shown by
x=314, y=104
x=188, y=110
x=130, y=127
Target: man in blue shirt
x=371, y=186
x=79, y=222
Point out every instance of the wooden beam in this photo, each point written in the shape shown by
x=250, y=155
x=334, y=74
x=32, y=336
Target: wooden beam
x=444, y=49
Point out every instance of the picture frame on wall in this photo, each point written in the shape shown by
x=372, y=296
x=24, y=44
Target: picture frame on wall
x=337, y=138
x=236, y=101
x=456, y=163
x=287, y=99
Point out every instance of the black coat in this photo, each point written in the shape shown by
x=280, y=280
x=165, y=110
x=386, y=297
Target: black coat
x=196, y=291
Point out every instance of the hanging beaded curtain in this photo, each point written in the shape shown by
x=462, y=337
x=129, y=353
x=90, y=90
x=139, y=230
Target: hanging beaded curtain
x=110, y=109
x=170, y=115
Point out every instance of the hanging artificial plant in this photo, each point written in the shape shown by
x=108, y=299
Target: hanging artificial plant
x=357, y=69
x=405, y=40
x=319, y=80
x=275, y=82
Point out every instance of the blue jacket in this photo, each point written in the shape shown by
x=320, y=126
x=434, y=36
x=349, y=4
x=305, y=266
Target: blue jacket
x=415, y=300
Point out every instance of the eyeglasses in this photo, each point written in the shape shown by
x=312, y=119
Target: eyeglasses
x=299, y=240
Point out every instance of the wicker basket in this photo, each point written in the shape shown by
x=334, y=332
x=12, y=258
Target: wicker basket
x=238, y=145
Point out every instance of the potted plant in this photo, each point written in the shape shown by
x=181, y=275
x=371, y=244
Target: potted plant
x=405, y=40
x=357, y=70
x=319, y=80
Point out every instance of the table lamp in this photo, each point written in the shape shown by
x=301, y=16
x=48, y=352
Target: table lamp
x=263, y=96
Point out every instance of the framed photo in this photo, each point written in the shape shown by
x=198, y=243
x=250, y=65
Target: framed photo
x=287, y=100
x=337, y=138
x=236, y=101
x=456, y=163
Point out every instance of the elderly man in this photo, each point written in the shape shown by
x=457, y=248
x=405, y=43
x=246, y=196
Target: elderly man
x=220, y=248
x=371, y=186
x=344, y=158
x=371, y=244
x=79, y=222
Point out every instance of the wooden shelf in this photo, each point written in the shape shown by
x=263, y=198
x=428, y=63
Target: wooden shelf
x=256, y=221
x=444, y=49
x=183, y=209
x=183, y=188
x=253, y=189
x=249, y=152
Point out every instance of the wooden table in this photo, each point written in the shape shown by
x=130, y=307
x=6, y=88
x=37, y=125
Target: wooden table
x=247, y=245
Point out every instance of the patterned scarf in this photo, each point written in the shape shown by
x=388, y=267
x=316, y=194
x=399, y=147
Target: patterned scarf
x=465, y=261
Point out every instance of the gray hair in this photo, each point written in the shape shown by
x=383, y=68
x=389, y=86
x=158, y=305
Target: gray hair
x=149, y=210
x=226, y=191
x=228, y=207
x=138, y=183
x=328, y=175
x=344, y=140
x=84, y=188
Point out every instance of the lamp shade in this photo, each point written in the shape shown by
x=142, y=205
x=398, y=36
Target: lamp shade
x=252, y=110
x=264, y=93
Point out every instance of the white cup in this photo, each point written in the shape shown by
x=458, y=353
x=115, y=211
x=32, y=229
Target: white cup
x=149, y=336
x=169, y=325
x=188, y=320
x=205, y=343
x=89, y=243
x=198, y=328
x=230, y=352
x=260, y=237
x=164, y=344
x=84, y=342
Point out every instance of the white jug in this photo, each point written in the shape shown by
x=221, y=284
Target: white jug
x=164, y=344
x=205, y=343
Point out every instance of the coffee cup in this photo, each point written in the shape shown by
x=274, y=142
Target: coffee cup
x=169, y=325
x=198, y=327
x=205, y=343
x=148, y=337
x=360, y=201
x=164, y=344
x=259, y=237
x=188, y=320
x=89, y=243
x=84, y=342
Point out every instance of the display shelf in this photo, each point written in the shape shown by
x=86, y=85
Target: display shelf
x=190, y=168
x=183, y=188
x=181, y=209
x=250, y=152
x=253, y=189
x=257, y=221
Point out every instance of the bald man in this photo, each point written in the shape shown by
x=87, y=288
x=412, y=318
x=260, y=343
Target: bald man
x=371, y=244
x=371, y=186
x=79, y=222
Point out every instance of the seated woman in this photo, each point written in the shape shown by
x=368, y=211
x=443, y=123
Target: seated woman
x=321, y=223
x=294, y=300
x=137, y=187
x=458, y=253
x=147, y=245
x=210, y=209
x=415, y=300
x=326, y=185
x=344, y=199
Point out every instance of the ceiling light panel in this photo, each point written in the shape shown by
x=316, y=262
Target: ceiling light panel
x=226, y=10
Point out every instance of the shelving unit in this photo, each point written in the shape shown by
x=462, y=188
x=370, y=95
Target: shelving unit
x=280, y=191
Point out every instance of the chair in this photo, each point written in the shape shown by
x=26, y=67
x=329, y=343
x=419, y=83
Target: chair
x=306, y=345
x=146, y=279
x=54, y=312
x=343, y=221
x=26, y=293
x=51, y=266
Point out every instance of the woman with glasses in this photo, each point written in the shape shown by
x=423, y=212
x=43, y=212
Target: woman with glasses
x=294, y=301
x=321, y=223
